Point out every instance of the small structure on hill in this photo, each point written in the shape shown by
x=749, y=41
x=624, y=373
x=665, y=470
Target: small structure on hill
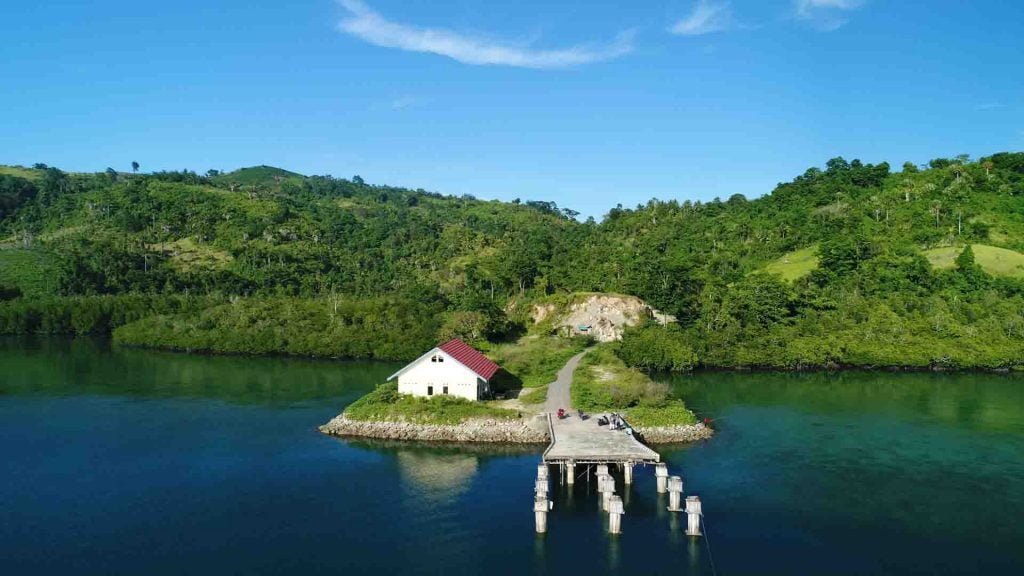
x=452, y=369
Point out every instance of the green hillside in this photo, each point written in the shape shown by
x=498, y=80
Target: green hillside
x=832, y=268
x=256, y=175
x=20, y=172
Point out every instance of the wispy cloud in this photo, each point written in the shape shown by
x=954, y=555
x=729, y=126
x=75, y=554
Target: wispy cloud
x=706, y=17
x=826, y=15
x=403, y=102
x=989, y=106
x=368, y=25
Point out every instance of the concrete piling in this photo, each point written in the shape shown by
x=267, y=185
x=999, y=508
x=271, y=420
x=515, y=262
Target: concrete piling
x=627, y=472
x=541, y=488
x=602, y=469
x=693, y=515
x=661, y=474
x=570, y=473
x=606, y=487
x=675, y=492
x=615, y=512
x=540, y=513
x=542, y=472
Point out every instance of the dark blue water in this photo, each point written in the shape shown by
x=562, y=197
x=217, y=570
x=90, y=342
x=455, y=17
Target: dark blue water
x=120, y=461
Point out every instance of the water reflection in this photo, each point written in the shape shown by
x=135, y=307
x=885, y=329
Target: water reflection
x=68, y=367
x=980, y=401
x=437, y=477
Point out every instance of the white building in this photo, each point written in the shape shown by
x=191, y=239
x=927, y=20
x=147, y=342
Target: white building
x=453, y=368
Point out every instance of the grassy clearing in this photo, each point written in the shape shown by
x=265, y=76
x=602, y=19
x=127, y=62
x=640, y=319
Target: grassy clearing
x=995, y=261
x=385, y=404
x=535, y=360
x=603, y=383
x=795, y=265
x=20, y=172
x=187, y=254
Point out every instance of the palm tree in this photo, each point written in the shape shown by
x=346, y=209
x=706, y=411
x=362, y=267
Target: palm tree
x=135, y=166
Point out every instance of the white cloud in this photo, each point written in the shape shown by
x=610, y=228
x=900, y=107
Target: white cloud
x=989, y=106
x=706, y=17
x=368, y=25
x=825, y=15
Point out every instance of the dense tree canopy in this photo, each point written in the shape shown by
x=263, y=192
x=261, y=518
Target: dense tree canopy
x=874, y=288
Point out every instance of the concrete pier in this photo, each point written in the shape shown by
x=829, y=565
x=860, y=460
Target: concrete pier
x=675, y=492
x=627, y=472
x=602, y=469
x=541, y=506
x=606, y=487
x=570, y=473
x=541, y=487
x=693, y=516
x=615, y=512
x=542, y=471
x=661, y=474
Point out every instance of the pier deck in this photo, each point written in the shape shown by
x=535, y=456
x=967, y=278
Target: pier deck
x=584, y=442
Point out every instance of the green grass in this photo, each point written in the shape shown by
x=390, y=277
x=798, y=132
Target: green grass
x=603, y=383
x=995, y=261
x=536, y=360
x=28, y=270
x=385, y=404
x=20, y=172
x=186, y=254
x=795, y=265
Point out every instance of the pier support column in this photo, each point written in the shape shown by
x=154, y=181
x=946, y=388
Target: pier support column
x=627, y=472
x=675, y=492
x=606, y=487
x=540, y=513
x=542, y=472
x=693, y=515
x=661, y=474
x=570, y=473
x=602, y=470
x=541, y=488
x=615, y=511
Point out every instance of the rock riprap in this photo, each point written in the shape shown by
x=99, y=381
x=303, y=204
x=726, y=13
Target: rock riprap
x=473, y=430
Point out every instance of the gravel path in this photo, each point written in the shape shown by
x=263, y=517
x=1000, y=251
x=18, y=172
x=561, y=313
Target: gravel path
x=558, y=391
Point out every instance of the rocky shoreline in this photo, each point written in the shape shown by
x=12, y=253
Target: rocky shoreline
x=675, y=434
x=492, y=431
x=484, y=430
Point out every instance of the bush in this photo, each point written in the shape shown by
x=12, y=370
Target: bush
x=385, y=404
x=653, y=347
x=603, y=383
x=382, y=328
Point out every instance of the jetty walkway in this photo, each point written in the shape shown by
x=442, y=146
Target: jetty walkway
x=576, y=441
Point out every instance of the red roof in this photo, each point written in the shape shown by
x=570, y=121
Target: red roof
x=470, y=358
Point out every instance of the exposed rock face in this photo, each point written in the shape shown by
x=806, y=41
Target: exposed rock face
x=675, y=434
x=530, y=431
x=606, y=315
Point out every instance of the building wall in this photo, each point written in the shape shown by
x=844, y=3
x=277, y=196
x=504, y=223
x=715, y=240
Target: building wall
x=461, y=381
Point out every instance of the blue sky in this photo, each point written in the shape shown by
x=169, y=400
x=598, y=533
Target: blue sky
x=589, y=104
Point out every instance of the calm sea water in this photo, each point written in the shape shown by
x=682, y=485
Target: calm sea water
x=124, y=462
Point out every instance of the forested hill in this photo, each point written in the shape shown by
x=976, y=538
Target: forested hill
x=849, y=264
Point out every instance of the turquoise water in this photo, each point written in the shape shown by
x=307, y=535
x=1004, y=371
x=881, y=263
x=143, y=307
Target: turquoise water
x=121, y=461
